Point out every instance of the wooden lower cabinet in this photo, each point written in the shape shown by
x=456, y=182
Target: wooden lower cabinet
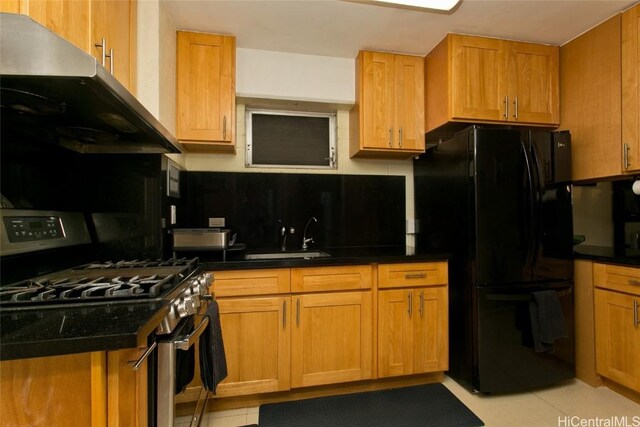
x=618, y=337
x=256, y=333
x=412, y=331
x=331, y=338
x=84, y=389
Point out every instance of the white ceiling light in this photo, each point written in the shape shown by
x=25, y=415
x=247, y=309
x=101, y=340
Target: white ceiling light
x=443, y=5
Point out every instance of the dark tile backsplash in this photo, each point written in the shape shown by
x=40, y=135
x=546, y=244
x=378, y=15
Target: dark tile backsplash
x=352, y=210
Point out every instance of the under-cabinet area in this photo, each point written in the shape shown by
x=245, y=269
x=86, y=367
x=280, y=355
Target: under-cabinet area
x=290, y=328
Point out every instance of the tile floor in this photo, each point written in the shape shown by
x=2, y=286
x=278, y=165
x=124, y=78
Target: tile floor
x=571, y=404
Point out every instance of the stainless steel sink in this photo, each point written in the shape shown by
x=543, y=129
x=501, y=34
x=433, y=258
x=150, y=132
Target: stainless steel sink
x=288, y=255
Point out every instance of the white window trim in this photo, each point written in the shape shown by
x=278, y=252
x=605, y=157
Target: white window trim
x=333, y=151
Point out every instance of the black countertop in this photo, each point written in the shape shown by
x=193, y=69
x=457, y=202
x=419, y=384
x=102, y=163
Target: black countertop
x=51, y=331
x=608, y=254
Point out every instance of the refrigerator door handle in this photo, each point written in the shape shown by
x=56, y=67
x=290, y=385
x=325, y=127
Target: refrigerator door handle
x=537, y=208
x=528, y=161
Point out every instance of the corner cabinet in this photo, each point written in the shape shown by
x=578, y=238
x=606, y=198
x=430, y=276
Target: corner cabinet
x=617, y=326
x=205, y=98
x=388, y=117
x=482, y=80
x=600, y=93
x=412, y=319
x=105, y=29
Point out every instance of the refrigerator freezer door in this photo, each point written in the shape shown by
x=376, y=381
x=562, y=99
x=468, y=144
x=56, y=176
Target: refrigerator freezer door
x=509, y=322
x=503, y=206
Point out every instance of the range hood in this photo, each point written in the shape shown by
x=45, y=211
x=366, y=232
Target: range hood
x=52, y=92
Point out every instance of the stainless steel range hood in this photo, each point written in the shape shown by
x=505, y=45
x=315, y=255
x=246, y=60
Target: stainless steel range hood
x=54, y=93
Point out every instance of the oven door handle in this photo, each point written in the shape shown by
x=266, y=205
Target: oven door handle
x=188, y=341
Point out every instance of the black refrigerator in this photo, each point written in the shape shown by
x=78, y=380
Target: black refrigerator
x=499, y=201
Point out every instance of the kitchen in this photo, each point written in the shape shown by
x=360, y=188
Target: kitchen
x=156, y=38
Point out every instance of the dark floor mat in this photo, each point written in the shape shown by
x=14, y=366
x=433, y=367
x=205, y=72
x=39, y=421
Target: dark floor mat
x=419, y=406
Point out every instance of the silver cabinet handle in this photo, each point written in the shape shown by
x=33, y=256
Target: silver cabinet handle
x=224, y=127
x=634, y=282
x=192, y=337
x=400, y=138
x=636, y=321
x=625, y=155
x=298, y=312
x=506, y=107
x=421, y=306
x=515, y=116
x=284, y=314
x=110, y=56
x=135, y=364
x=390, y=137
x=410, y=301
x=415, y=275
x=102, y=45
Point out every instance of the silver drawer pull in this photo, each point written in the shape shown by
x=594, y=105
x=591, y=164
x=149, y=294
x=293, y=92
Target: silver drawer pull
x=193, y=336
x=135, y=364
x=634, y=282
x=415, y=275
x=636, y=321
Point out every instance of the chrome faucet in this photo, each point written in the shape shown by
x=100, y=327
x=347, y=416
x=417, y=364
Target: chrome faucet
x=284, y=234
x=304, y=235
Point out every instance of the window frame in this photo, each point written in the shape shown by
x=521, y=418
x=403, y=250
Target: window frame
x=333, y=151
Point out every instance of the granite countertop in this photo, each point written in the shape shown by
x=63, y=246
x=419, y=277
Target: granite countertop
x=608, y=254
x=57, y=330
x=338, y=256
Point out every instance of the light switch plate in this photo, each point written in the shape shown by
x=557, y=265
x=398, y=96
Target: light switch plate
x=216, y=222
x=174, y=215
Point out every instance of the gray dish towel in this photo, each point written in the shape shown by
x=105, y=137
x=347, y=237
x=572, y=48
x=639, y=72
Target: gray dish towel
x=213, y=362
x=547, y=321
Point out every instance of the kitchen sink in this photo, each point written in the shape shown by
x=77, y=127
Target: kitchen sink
x=288, y=255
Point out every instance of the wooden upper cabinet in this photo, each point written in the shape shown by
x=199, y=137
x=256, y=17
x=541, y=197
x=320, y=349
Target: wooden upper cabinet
x=115, y=22
x=482, y=80
x=631, y=88
x=85, y=23
x=206, y=69
x=591, y=100
x=388, y=117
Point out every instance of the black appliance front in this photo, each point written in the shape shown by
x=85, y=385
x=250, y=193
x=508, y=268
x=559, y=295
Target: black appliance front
x=497, y=200
x=512, y=352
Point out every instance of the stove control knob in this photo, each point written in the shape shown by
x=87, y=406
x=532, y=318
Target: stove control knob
x=186, y=307
x=205, y=279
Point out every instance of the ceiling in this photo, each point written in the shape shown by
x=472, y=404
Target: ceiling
x=340, y=28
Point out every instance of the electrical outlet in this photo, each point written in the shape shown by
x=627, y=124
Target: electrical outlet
x=216, y=222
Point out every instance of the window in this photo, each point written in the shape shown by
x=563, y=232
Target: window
x=291, y=139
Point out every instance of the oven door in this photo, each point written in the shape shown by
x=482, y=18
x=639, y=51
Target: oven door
x=176, y=366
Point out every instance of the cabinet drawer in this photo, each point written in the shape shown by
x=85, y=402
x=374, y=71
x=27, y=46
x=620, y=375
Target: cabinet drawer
x=412, y=274
x=251, y=282
x=617, y=278
x=322, y=279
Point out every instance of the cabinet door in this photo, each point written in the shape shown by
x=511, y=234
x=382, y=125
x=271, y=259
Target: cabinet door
x=478, y=73
x=533, y=83
x=127, y=389
x=431, y=330
x=256, y=333
x=112, y=20
x=205, y=87
x=11, y=6
x=69, y=18
x=54, y=391
x=331, y=339
x=377, y=127
x=409, y=102
x=395, y=333
x=617, y=338
x=338, y=278
x=631, y=87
